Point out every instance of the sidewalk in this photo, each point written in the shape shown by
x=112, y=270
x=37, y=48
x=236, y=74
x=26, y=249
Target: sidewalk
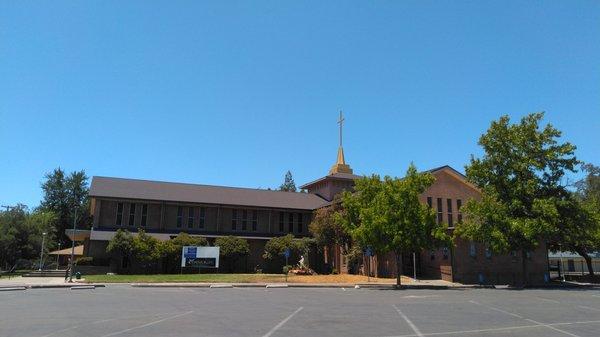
x=38, y=282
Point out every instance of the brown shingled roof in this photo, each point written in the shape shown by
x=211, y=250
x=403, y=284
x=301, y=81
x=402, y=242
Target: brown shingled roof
x=179, y=192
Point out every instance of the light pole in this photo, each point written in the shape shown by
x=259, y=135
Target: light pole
x=414, y=266
x=58, y=255
x=42, y=251
x=72, y=247
x=561, y=263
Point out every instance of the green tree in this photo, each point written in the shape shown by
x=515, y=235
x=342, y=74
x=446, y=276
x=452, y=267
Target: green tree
x=520, y=178
x=327, y=229
x=232, y=249
x=62, y=196
x=388, y=216
x=288, y=185
x=121, y=245
x=171, y=249
x=21, y=234
x=146, y=250
x=579, y=227
x=275, y=247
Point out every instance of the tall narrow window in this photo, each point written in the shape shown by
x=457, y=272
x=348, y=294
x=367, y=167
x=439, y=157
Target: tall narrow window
x=300, y=224
x=472, y=249
x=254, y=220
x=132, y=214
x=281, y=217
x=445, y=253
x=488, y=252
x=450, y=217
x=234, y=219
x=291, y=223
x=144, y=219
x=201, y=217
x=119, y=220
x=191, y=217
x=440, y=214
x=244, y=220
x=429, y=202
x=179, y=216
x=459, y=213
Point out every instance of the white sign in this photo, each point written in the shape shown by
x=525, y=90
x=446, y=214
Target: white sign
x=200, y=257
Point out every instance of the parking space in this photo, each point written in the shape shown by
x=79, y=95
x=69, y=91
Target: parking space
x=178, y=312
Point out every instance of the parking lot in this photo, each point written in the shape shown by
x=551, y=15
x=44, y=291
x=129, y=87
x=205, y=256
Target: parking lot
x=126, y=311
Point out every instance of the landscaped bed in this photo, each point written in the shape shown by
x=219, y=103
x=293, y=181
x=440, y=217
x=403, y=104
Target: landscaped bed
x=236, y=278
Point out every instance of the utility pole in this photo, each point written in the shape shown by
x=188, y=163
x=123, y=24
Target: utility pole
x=42, y=251
x=72, y=247
x=58, y=255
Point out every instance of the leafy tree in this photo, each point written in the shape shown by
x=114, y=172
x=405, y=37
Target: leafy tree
x=579, y=227
x=232, y=249
x=146, y=250
x=327, y=229
x=21, y=234
x=388, y=216
x=171, y=249
x=62, y=196
x=275, y=247
x=288, y=185
x=121, y=245
x=519, y=176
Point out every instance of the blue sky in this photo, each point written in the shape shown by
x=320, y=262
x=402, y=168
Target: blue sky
x=236, y=93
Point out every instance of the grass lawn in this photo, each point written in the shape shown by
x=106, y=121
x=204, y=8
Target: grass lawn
x=232, y=278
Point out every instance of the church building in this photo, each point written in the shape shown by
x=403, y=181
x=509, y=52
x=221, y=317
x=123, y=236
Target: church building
x=164, y=209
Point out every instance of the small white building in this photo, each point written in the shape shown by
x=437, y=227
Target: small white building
x=572, y=263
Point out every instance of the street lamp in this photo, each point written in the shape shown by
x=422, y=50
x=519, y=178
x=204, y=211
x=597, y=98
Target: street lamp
x=58, y=255
x=72, y=247
x=42, y=251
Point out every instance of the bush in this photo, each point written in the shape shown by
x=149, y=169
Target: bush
x=171, y=249
x=232, y=248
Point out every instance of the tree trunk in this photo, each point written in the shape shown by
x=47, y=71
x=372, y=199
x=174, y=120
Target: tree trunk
x=588, y=261
x=524, y=267
x=398, y=269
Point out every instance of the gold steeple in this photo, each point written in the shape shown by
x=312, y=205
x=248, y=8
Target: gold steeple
x=340, y=165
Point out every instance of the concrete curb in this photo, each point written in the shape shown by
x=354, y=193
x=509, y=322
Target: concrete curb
x=48, y=286
x=305, y=285
x=12, y=288
x=221, y=286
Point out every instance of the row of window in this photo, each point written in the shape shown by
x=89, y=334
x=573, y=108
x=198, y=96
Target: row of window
x=244, y=218
x=131, y=217
x=191, y=217
x=290, y=222
x=194, y=217
x=440, y=211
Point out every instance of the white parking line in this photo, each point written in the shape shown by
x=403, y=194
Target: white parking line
x=547, y=299
x=147, y=324
x=551, y=327
x=499, y=310
x=527, y=319
x=280, y=324
x=412, y=325
x=507, y=328
x=589, y=308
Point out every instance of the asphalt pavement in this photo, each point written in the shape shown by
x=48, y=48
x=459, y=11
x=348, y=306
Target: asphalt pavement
x=122, y=310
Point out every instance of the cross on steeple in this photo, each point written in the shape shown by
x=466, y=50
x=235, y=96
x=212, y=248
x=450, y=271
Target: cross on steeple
x=341, y=123
x=340, y=165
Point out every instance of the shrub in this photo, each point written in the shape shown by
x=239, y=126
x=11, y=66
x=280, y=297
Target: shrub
x=232, y=248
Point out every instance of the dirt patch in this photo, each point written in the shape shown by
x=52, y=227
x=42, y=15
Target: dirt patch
x=342, y=278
